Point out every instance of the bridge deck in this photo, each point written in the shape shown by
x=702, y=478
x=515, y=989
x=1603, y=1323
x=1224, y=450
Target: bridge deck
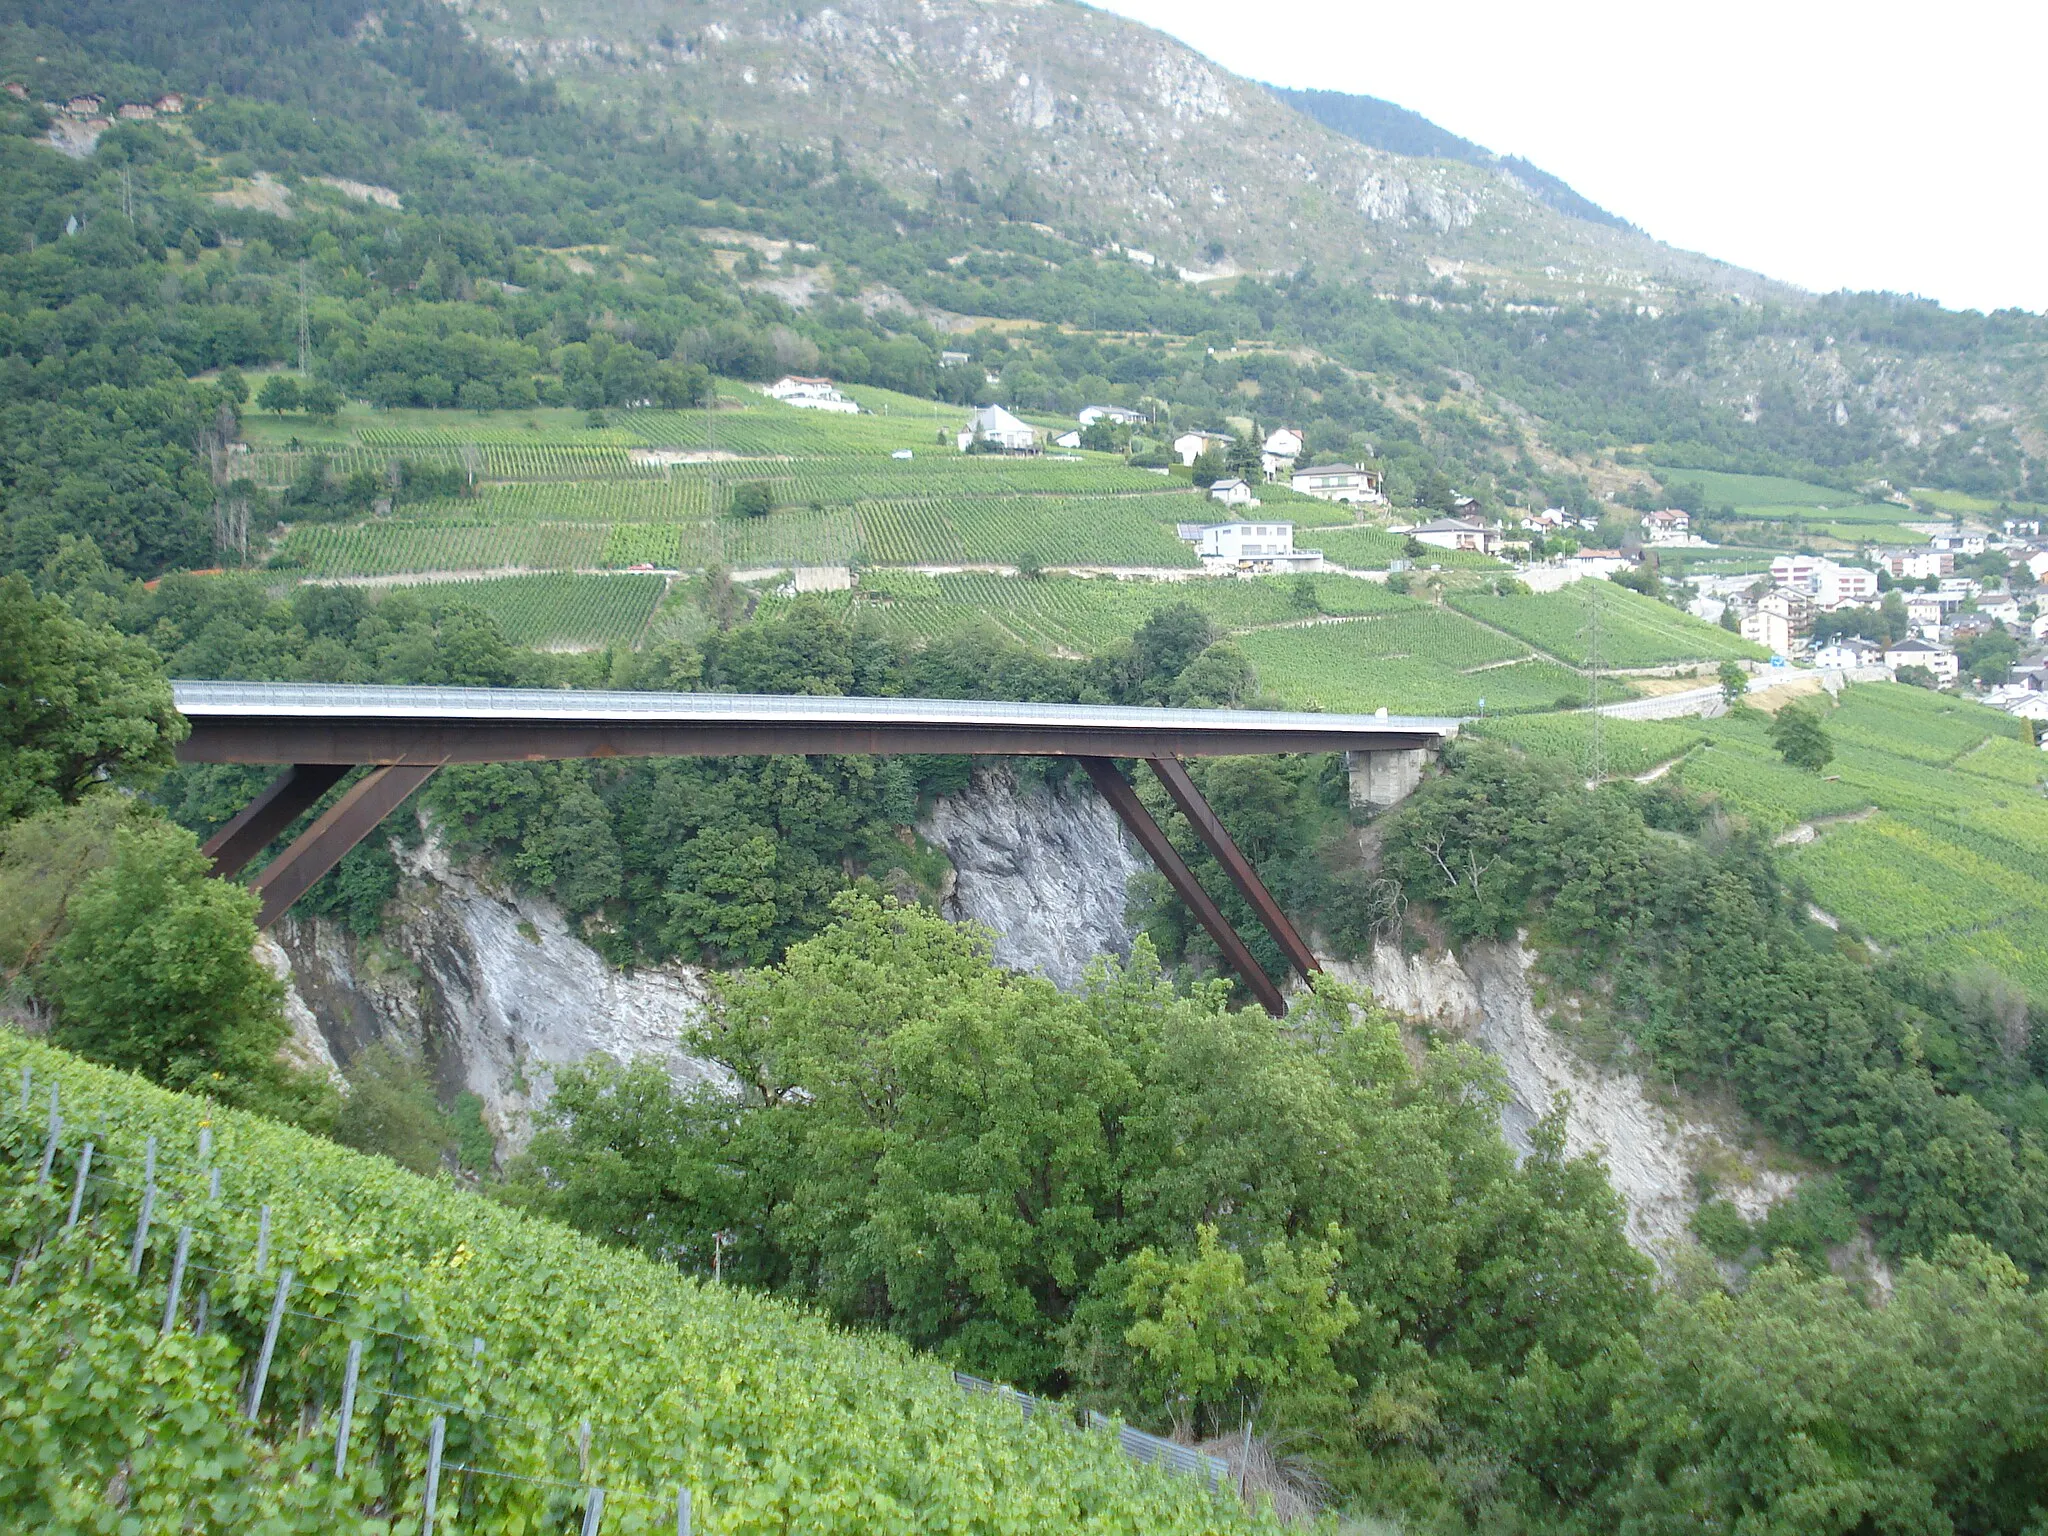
x=321, y=731
x=347, y=723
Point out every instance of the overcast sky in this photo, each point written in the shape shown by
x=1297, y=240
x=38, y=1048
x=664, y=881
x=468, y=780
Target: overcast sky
x=1833, y=145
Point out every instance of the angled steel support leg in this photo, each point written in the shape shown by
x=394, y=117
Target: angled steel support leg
x=1174, y=775
x=321, y=846
x=283, y=801
x=1124, y=801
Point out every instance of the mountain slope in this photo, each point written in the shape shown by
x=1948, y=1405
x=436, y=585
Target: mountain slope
x=1384, y=125
x=1116, y=129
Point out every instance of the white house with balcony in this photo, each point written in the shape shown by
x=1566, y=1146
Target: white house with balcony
x=811, y=394
x=1915, y=652
x=1848, y=653
x=1455, y=533
x=1251, y=547
x=1831, y=586
x=1234, y=493
x=1350, y=483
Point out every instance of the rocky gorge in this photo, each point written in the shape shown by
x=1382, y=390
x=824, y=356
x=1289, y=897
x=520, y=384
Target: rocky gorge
x=494, y=989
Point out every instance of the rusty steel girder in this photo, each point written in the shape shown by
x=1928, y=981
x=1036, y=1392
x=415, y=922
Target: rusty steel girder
x=1123, y=799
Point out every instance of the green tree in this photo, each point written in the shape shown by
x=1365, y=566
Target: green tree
x=80, y=705
x=1734, y=679
x=391, y=1109
x=280, y=393
x=1212, y=1345
x=1210, y=466
x=752, y=498
x=320, y=400
x=155, y=972
x=1801, y=739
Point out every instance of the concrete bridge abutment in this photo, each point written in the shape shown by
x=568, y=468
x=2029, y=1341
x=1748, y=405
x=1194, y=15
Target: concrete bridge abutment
x=1385, y=776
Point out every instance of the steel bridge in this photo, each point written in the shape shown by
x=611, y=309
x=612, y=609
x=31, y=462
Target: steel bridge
x=322, y=732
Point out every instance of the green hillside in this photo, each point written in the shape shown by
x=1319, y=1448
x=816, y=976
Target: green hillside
x=1930, y=826
x=528, y=1340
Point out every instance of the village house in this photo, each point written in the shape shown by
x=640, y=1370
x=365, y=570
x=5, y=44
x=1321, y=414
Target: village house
x=1233, y=493
x=1928, y=611
x=1848, y=652
x=1190, y=446
x=2005, y=609
x=1831, y=586
x=1285, y=443
x=87, y=104
x=1091, y=414
x=1455, y=533
x=1282, y=447
x=1938, y=659
x=1067, y=439
x=1915, y=564
x=2037, y=565
x=1350, y=483
x=1958, y=542
x=135, y=112
x=1667, y=526
x=954, y=359
x=810, y=394
x=992, y=426
x=2039, y=628
x=1255, y=548
x=1781, y=621
x=171, y=102
x=1968, y=626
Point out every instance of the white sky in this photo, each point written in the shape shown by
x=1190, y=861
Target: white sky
x=1823, y=142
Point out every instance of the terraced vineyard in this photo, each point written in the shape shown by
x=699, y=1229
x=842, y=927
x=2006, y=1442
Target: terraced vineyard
x=1050, y=530
x=403, y=547
x=1635, y=631
x=570, y=612
x=1083, y=616
x=552, y=1365
x=1629, y=747
x=1428, y=661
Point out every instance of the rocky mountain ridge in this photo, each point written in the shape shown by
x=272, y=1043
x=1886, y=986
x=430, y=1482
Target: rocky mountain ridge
x=1122, y=130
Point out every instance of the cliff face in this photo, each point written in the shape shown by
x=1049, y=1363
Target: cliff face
x=1048, y=869
x=495, y=990
x=492, y=989
x=1654, y=1152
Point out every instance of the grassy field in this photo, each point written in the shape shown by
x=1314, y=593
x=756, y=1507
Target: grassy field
x=1745, y=491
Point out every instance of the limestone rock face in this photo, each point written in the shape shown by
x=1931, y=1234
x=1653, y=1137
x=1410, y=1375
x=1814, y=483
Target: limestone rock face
x=1046, y=868
x=493, y=990
x=1652, y=1151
